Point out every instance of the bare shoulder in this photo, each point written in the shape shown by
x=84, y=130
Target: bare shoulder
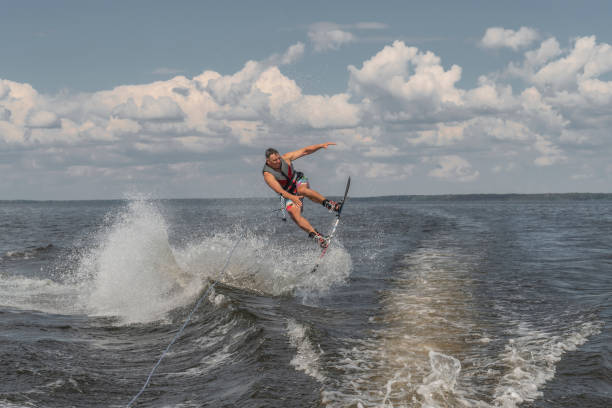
x=268, y=177
x=289, y=157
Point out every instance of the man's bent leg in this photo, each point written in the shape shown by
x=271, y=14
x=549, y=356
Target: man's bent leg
x=296, y=216
x=303, y=223
x=306, y=191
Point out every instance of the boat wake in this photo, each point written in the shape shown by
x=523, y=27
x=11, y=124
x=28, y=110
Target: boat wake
x=132, y=272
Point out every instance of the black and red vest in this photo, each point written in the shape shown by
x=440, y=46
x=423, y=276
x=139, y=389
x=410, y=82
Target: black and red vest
x=286, y=176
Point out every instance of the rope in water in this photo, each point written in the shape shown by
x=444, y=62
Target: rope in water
x=197, y=305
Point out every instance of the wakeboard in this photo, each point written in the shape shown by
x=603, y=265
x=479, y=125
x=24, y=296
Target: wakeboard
x=334, y=226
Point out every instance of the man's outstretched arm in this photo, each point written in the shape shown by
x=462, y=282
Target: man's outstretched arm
x=306, y=151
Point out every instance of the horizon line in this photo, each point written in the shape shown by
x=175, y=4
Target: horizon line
x=331, y=195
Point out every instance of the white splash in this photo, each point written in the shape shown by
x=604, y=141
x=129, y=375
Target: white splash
x=306, y=358
x=531, y=360
x=132, y=272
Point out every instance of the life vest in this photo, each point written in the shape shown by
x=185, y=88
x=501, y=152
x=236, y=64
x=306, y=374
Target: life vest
x=286, y=176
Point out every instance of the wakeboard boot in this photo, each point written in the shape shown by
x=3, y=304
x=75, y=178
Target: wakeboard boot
x=322, y=240
x=331, y=205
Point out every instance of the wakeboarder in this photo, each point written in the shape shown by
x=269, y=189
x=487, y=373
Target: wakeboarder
x=279, y=174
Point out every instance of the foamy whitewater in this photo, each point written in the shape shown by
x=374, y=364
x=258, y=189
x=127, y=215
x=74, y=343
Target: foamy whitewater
x=487, y=301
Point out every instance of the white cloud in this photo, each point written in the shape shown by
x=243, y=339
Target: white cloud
x=587, y=60
x=5, y=114
x=280, y=89
x=290, y=56
x=400, y=78
x=401, y=104
x=328, y=36
x=498, y=37
x=293, y=53
x=489, y=95
x=351, y=138
x=504, y=129
x=322, y=111
x=162, y=108
x=287, y=103
x=43, y=119
x=595, y=91
x=535, y=59
x=453, y=168
x=382, y=151
x=376, y=170
x=11, y=134
x=443, y=135
x=19, y=99
x=122, y=126
x=4, y=89
x=539, y=114
x=548, y=49
x=551, y=154
x=568, y=80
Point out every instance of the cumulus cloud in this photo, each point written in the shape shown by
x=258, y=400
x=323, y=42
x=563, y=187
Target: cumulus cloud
x=207, y=107
x=401, y=79
x=162, y=108
x=11, y=134
x=443, y=135
x=123, y=126
x=490, y=96
x=400, y=105
x=499, y=37
x=43, y=119
x=376, y=170
x=504, y=129
x=5, y=114
x=291, y=55
x=587, y=60
x=382, y=151
x=18, y=99
x=569, y=80
x=548, y=49
x=327, y=36
x=535, y=59
x=550, y=154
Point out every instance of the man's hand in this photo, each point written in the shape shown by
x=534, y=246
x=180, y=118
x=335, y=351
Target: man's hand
x=297, y=200
x=324, y=145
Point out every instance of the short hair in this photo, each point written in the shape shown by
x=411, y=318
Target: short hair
x=270, y=151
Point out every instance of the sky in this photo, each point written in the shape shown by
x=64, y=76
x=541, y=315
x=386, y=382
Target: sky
x=102, y=100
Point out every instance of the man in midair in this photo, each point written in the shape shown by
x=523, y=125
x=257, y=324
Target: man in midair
x=280, y=175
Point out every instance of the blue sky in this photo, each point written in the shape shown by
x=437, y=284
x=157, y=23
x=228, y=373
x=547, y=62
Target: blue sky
x=100, y=99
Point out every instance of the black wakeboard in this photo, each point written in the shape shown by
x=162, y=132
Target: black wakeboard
x=334, y=226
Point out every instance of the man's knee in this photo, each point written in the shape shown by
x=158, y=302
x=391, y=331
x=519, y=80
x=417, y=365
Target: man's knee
x=307, y=192
x=294, y=211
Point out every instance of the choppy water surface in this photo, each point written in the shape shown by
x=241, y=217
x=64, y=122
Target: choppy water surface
x=488, y=301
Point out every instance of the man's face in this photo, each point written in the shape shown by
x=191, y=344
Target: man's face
x=274, y=161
